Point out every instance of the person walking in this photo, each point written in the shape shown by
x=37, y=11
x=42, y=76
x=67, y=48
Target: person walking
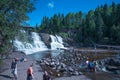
x=30, y=73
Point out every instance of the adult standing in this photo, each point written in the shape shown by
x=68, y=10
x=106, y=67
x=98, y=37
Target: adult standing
x=30, y=73
x=46, y=76
x=14, y=66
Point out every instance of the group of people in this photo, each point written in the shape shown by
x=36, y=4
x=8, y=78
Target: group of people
x=30, y=74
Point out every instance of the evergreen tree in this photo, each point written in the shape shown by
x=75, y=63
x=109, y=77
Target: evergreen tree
x=118, y=14
x=99, y=25
x=56, y=24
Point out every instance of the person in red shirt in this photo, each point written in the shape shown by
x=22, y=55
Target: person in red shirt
x=30, y=73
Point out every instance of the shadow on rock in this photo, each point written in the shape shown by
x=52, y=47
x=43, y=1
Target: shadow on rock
x=6, y=76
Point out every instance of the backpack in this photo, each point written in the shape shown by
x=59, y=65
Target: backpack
x=13, y=65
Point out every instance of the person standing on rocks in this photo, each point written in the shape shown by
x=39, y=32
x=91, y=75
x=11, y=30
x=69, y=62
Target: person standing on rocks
x=14, y=66
x=46, y=76
x=30, y=73
x=91, y=66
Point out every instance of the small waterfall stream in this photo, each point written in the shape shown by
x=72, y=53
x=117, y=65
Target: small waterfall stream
x=37, y=42
x=56, y=43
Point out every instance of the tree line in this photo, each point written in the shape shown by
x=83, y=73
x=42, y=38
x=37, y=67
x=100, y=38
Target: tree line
x=101, y=25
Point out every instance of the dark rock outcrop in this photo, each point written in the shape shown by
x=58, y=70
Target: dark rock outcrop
x=46, y=39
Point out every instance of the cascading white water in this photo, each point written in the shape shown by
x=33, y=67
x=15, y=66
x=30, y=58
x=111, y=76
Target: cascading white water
x=60, y=40
x=38, y=44
x=56, y=43
x=22, y=46
x=18, y=45
x=28, y=48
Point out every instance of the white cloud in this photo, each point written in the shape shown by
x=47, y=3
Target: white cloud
x=28, y=21
x=51, y=4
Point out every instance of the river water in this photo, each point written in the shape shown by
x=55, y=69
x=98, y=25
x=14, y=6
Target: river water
x=45, y=54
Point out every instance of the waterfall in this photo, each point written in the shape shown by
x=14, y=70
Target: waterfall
x=57, y=42
x=29, y=48
x=36, y=44
x=18, y=45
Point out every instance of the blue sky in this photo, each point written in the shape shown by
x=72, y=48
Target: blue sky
x=51, y=7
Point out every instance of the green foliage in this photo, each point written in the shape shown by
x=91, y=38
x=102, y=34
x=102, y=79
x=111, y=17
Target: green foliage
x=99, y=26
x=63, y=34
x=23, y=36
x=13, y=13
x=0, y=62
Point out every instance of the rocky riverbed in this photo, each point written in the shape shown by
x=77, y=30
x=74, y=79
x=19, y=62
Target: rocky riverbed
x=73, y=63
x=5, y=70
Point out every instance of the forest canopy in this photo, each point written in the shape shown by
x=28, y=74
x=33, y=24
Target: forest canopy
x=101, y=25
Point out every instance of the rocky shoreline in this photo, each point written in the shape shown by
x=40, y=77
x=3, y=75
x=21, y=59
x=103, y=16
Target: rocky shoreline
x=66, y=66
x=74, y=64
x=5, y=71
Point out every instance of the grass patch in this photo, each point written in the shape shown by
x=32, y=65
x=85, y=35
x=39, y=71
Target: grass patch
x=0, y=62
x=63, y=34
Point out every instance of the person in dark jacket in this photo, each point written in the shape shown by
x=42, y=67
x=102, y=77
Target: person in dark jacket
x=46, y=76
x=14, y=63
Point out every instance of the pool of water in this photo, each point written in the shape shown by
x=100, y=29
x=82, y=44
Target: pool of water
x=45, y=54
x=94, y=55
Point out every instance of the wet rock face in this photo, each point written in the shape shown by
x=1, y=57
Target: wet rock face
x=113, y=64
x=68, y=41
x=46, y=39
x=110, y=64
